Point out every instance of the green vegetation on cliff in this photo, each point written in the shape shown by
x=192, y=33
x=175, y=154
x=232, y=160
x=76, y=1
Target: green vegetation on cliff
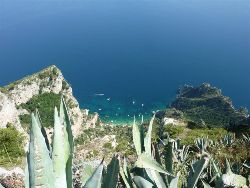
x=11, y=147
x=45, y=103
x=205, y=106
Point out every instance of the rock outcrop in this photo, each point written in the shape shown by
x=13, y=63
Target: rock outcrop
x=49, y=80
x=8, y=113
x=204, y=106
x=13, y=178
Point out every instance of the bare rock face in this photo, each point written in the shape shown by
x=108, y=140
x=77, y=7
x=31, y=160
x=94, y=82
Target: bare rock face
x=13, y=178
x=8, y=113
x=49, y=80
x=93, y=121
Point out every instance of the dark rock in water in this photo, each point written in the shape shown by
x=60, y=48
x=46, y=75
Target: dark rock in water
x=205, y=106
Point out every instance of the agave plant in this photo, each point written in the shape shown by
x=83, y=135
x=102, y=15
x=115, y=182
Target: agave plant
x=228, y=140
x=228, y=179
x=52, y=168
x=246, y=138
x=148, y=171
x=46, y=167
x=202, y=144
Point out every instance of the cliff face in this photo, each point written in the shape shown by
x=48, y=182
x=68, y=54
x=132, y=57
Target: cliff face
x=8, y=113
x=49, y=80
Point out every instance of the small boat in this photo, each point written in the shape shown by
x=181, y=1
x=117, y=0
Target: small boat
x=99, y=94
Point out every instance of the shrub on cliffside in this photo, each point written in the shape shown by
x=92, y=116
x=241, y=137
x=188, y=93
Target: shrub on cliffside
x=45, y=104
x=11, y=144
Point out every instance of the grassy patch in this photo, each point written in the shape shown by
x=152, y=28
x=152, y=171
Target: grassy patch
x=174, y=131
x=214, y=134
x=189, y=135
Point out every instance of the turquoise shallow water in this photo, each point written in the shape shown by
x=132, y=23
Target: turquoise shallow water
x=121, y=110
x=129, y=50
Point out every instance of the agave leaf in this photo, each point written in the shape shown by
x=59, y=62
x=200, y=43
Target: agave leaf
x=26, y=177
x=157, y=154
x=39, y=161
x=124, y=178
x=147, y=139
x=174, y=182
x=156, y=178
x=168, y=155
x=95, y=181
x=142, y=183
x=216, y=169
x=127, y=172
x=39, y=122
x=127, y=185
x=206, y=185
x=194, y=174
x=125, y=167
x=68, y=141
x=137, y=138
x=147, y=162
x=1, y=186
x=111, y=178
x=231, y=179
x=87, y=173
x=58, y=156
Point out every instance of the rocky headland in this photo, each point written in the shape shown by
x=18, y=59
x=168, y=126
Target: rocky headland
x=204, y=106
x=20, y=98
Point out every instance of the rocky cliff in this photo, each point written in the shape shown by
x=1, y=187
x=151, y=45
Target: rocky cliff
x=205, y=106
x=15, y=98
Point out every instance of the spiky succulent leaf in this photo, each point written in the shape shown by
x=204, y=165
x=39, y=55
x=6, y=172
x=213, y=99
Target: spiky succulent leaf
x=168, y=155
x=111, y=177
x=137, y=138
x=231, y=179
x=26, y=178
x=206, y=185
x=156, y=178
x=125, y=179
x=147, y=162
x=58, y=156
x=125, y=167
x=88, y=170
x=197, y=169
x=157, y=155
x=216, y=169
x=147, y=139
x=39, y=122
x=68, y=138
x=95, y=181
x=174, y=182
x=1, y=186
x=142, y=183
x=39, y=161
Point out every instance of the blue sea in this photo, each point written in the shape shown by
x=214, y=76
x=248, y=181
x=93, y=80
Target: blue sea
x=135, y=52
